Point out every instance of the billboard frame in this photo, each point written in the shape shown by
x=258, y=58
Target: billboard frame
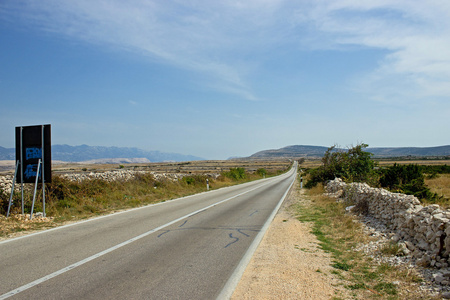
x=33, y=154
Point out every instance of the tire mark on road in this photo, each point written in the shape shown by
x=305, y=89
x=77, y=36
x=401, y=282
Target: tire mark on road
x=232, y=237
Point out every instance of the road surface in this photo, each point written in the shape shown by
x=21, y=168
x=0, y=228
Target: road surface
x=189, y=248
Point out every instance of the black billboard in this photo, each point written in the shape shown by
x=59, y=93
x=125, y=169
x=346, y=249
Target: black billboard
x=34, y=142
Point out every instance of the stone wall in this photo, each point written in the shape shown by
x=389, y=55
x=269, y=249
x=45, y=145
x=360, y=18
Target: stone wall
x=425, y=231
x=6, y=180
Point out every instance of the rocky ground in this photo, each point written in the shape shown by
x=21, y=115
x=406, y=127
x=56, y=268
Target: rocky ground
x=436, y=281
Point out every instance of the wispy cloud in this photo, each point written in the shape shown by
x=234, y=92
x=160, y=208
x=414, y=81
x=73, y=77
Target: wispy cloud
x=415, y=34
x=225, y=40
x=191, y=35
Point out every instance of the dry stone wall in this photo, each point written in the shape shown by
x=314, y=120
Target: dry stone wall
x=125, y=175
x=425, y=231
x=6, y=183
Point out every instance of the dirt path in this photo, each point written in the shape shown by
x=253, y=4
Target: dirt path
x=288, y=263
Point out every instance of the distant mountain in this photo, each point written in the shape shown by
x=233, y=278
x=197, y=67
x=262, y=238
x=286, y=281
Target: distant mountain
x=292, y=151
x=116, y=161
x=86, y=153
x=7, y=153
x=319, y=151
x=410, y=151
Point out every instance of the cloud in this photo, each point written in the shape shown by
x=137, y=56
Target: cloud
x=187, y=35
x=415, y=34
x=225, y=42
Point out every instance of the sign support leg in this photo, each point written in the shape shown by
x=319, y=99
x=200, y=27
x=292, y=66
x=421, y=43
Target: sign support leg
x=35, y=187
x=43, y=177
x=12, y=189
x=21, y=167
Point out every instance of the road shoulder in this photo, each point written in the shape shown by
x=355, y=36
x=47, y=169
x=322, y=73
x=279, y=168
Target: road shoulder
x=288, y=263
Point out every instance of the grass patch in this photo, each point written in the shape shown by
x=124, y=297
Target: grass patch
x=386, y=288
x=391, y=248
x=341, y=266
x=357, y=286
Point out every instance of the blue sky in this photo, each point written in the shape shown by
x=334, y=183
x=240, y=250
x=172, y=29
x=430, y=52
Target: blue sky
x=227, y=78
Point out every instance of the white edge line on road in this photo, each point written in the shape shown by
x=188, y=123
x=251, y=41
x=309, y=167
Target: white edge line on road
x=234, y=279
x=88, y=259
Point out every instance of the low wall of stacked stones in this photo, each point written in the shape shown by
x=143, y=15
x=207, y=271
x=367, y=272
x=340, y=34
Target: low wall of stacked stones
x=424, y=230
x=125, y=175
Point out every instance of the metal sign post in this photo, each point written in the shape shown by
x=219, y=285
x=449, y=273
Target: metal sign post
x=21, y=166
x=43, y=173
x=35, y=188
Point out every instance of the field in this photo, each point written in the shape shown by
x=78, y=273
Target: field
x=440, y=185
x=192, y=167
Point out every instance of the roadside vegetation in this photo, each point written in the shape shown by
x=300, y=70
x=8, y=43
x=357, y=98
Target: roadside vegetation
x=426, y=182
x=70, y=200
x=339, y=234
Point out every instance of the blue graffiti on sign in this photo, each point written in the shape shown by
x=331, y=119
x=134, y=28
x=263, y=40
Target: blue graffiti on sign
x=31, y=171
x=33, y=152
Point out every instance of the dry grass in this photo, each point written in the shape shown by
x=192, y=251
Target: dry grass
x=338, y=234
x=440, y=185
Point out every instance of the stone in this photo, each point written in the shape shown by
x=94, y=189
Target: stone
x=422, y=229
x=438, y=278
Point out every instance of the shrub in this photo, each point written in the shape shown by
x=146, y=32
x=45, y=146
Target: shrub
x=261, y=172
x=352, y=165
x=235, y=173
x=407, y=179
x=194, y=179
x=440, y=169
x=188, y=180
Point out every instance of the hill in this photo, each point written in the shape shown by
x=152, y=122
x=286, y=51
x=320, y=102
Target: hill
x=319, y=151
x=292, y=151
x=86, y=153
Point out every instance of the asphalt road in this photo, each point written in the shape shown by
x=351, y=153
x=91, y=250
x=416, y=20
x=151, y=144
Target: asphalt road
x=189, y=248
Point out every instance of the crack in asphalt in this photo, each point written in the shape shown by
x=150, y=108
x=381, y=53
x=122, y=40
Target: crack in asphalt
x=236, y=239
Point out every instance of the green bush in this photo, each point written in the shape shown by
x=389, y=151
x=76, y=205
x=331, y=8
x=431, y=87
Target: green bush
x=352, y=165
x=407, y=179
x=439, y=169
x=188, y=180
x=261, y=172
x=194, y=180
x=235, y=173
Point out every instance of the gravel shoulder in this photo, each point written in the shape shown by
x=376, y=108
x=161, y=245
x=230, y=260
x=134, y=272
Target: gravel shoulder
x=288, y=263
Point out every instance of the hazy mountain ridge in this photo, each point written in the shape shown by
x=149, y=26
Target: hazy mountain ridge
x=87, y=153
x=102, y=154
x=292, y=151
x=319, y=151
